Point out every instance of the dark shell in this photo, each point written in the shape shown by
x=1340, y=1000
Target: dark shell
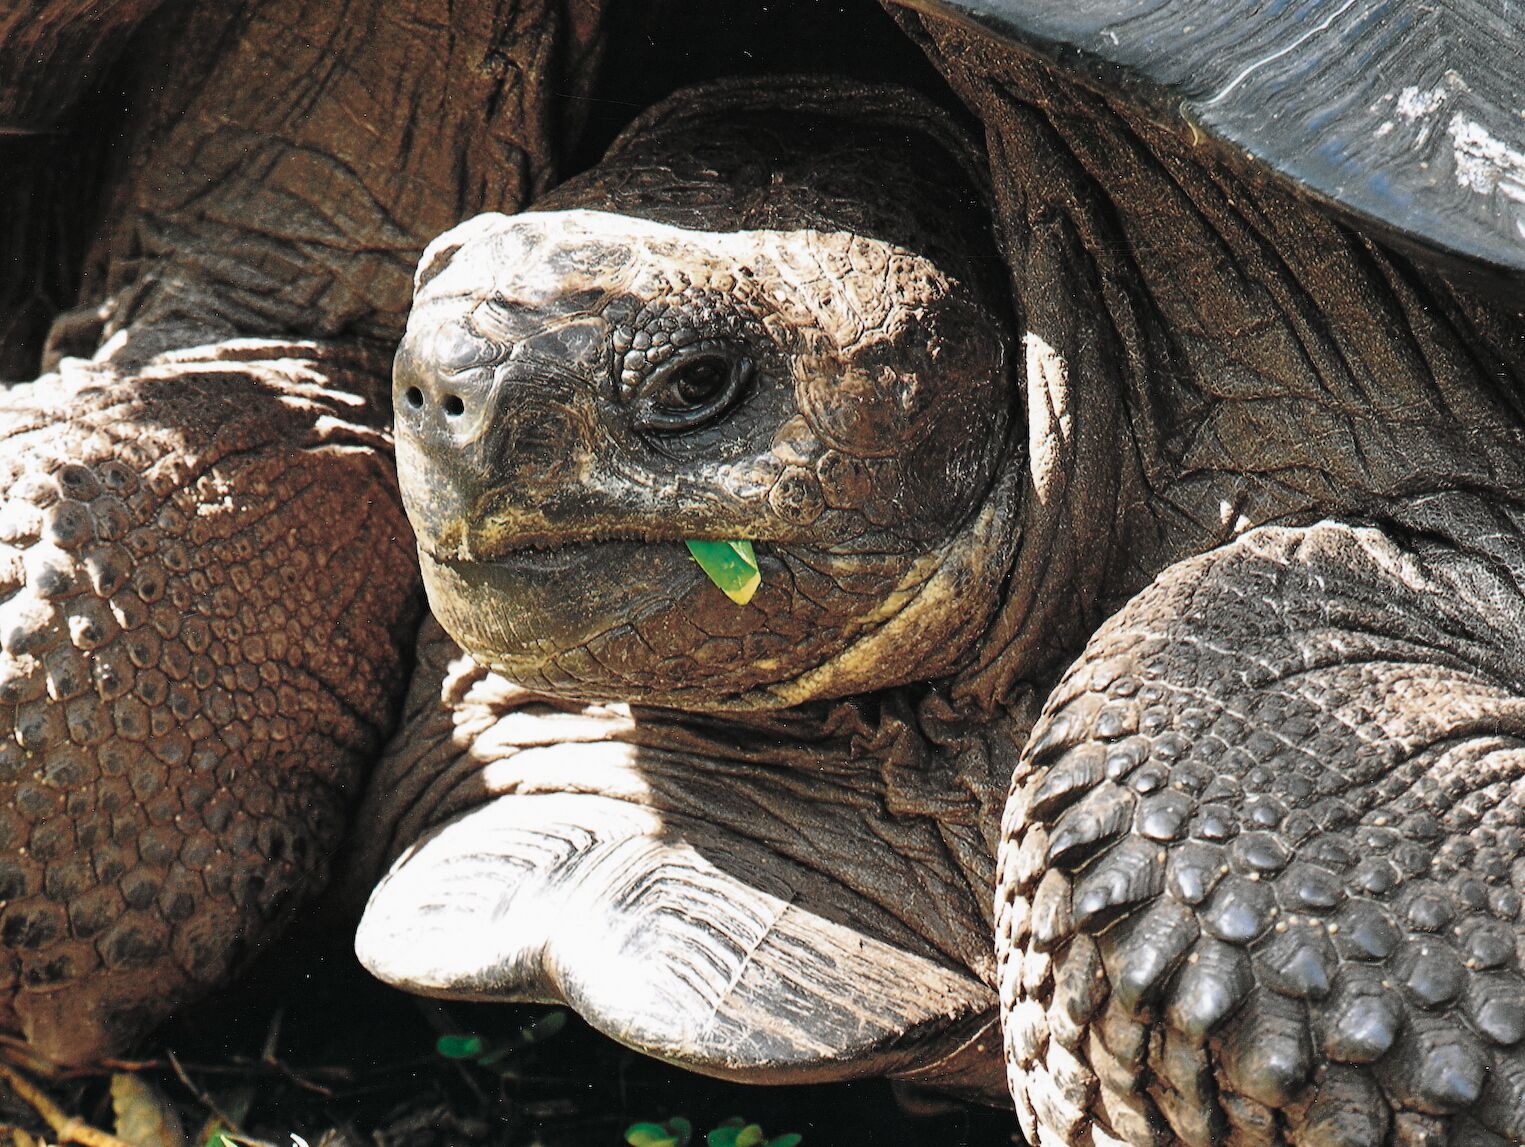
x=1407, y=118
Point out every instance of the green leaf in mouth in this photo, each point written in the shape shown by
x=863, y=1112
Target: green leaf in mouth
x=730, y=565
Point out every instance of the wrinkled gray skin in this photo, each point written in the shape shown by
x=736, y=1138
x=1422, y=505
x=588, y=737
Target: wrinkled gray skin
x=1219, y=564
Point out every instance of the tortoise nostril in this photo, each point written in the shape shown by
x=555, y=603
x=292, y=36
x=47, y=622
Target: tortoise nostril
x=414, y=397
x=453, y=405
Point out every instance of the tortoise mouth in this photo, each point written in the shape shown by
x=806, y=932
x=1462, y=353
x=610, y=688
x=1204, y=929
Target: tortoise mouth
x=537, y=555
x=527, y=611
x=564, y=552
x=640, y=621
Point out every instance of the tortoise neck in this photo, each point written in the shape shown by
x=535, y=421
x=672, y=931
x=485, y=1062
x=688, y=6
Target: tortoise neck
x=1205, y=353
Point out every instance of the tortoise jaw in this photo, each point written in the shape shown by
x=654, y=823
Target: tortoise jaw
x=645, y=926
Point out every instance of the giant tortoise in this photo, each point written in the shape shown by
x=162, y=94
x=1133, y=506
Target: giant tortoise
x=1165, y=470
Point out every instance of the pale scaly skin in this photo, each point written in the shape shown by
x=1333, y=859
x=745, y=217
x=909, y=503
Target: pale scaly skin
x=695, y=888
x=1258, y=873
x=207, y=588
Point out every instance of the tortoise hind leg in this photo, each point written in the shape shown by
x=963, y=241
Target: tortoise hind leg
x=1260, y=881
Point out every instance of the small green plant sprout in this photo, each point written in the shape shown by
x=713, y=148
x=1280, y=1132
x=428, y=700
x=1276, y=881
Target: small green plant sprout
x=730, y=565
x=493, y=1055
x=737, y=1132
x=676, y=1132
x=734, y=1132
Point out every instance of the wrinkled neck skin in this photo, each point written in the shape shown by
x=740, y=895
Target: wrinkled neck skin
x=268, y=188
x=1204, y=354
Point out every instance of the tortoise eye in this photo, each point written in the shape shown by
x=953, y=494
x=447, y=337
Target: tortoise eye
x=694, y=384
x=692, y=390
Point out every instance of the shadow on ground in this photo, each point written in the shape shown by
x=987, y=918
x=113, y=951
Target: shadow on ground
x=309, y=1045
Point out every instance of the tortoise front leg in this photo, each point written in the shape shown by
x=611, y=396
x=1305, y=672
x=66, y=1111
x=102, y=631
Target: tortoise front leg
x=763, y=898
x=1261, y=880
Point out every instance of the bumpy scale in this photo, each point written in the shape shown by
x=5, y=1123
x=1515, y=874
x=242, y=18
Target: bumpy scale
x=183, y=713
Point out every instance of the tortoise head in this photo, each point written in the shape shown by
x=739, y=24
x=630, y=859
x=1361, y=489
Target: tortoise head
x=715, y=337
